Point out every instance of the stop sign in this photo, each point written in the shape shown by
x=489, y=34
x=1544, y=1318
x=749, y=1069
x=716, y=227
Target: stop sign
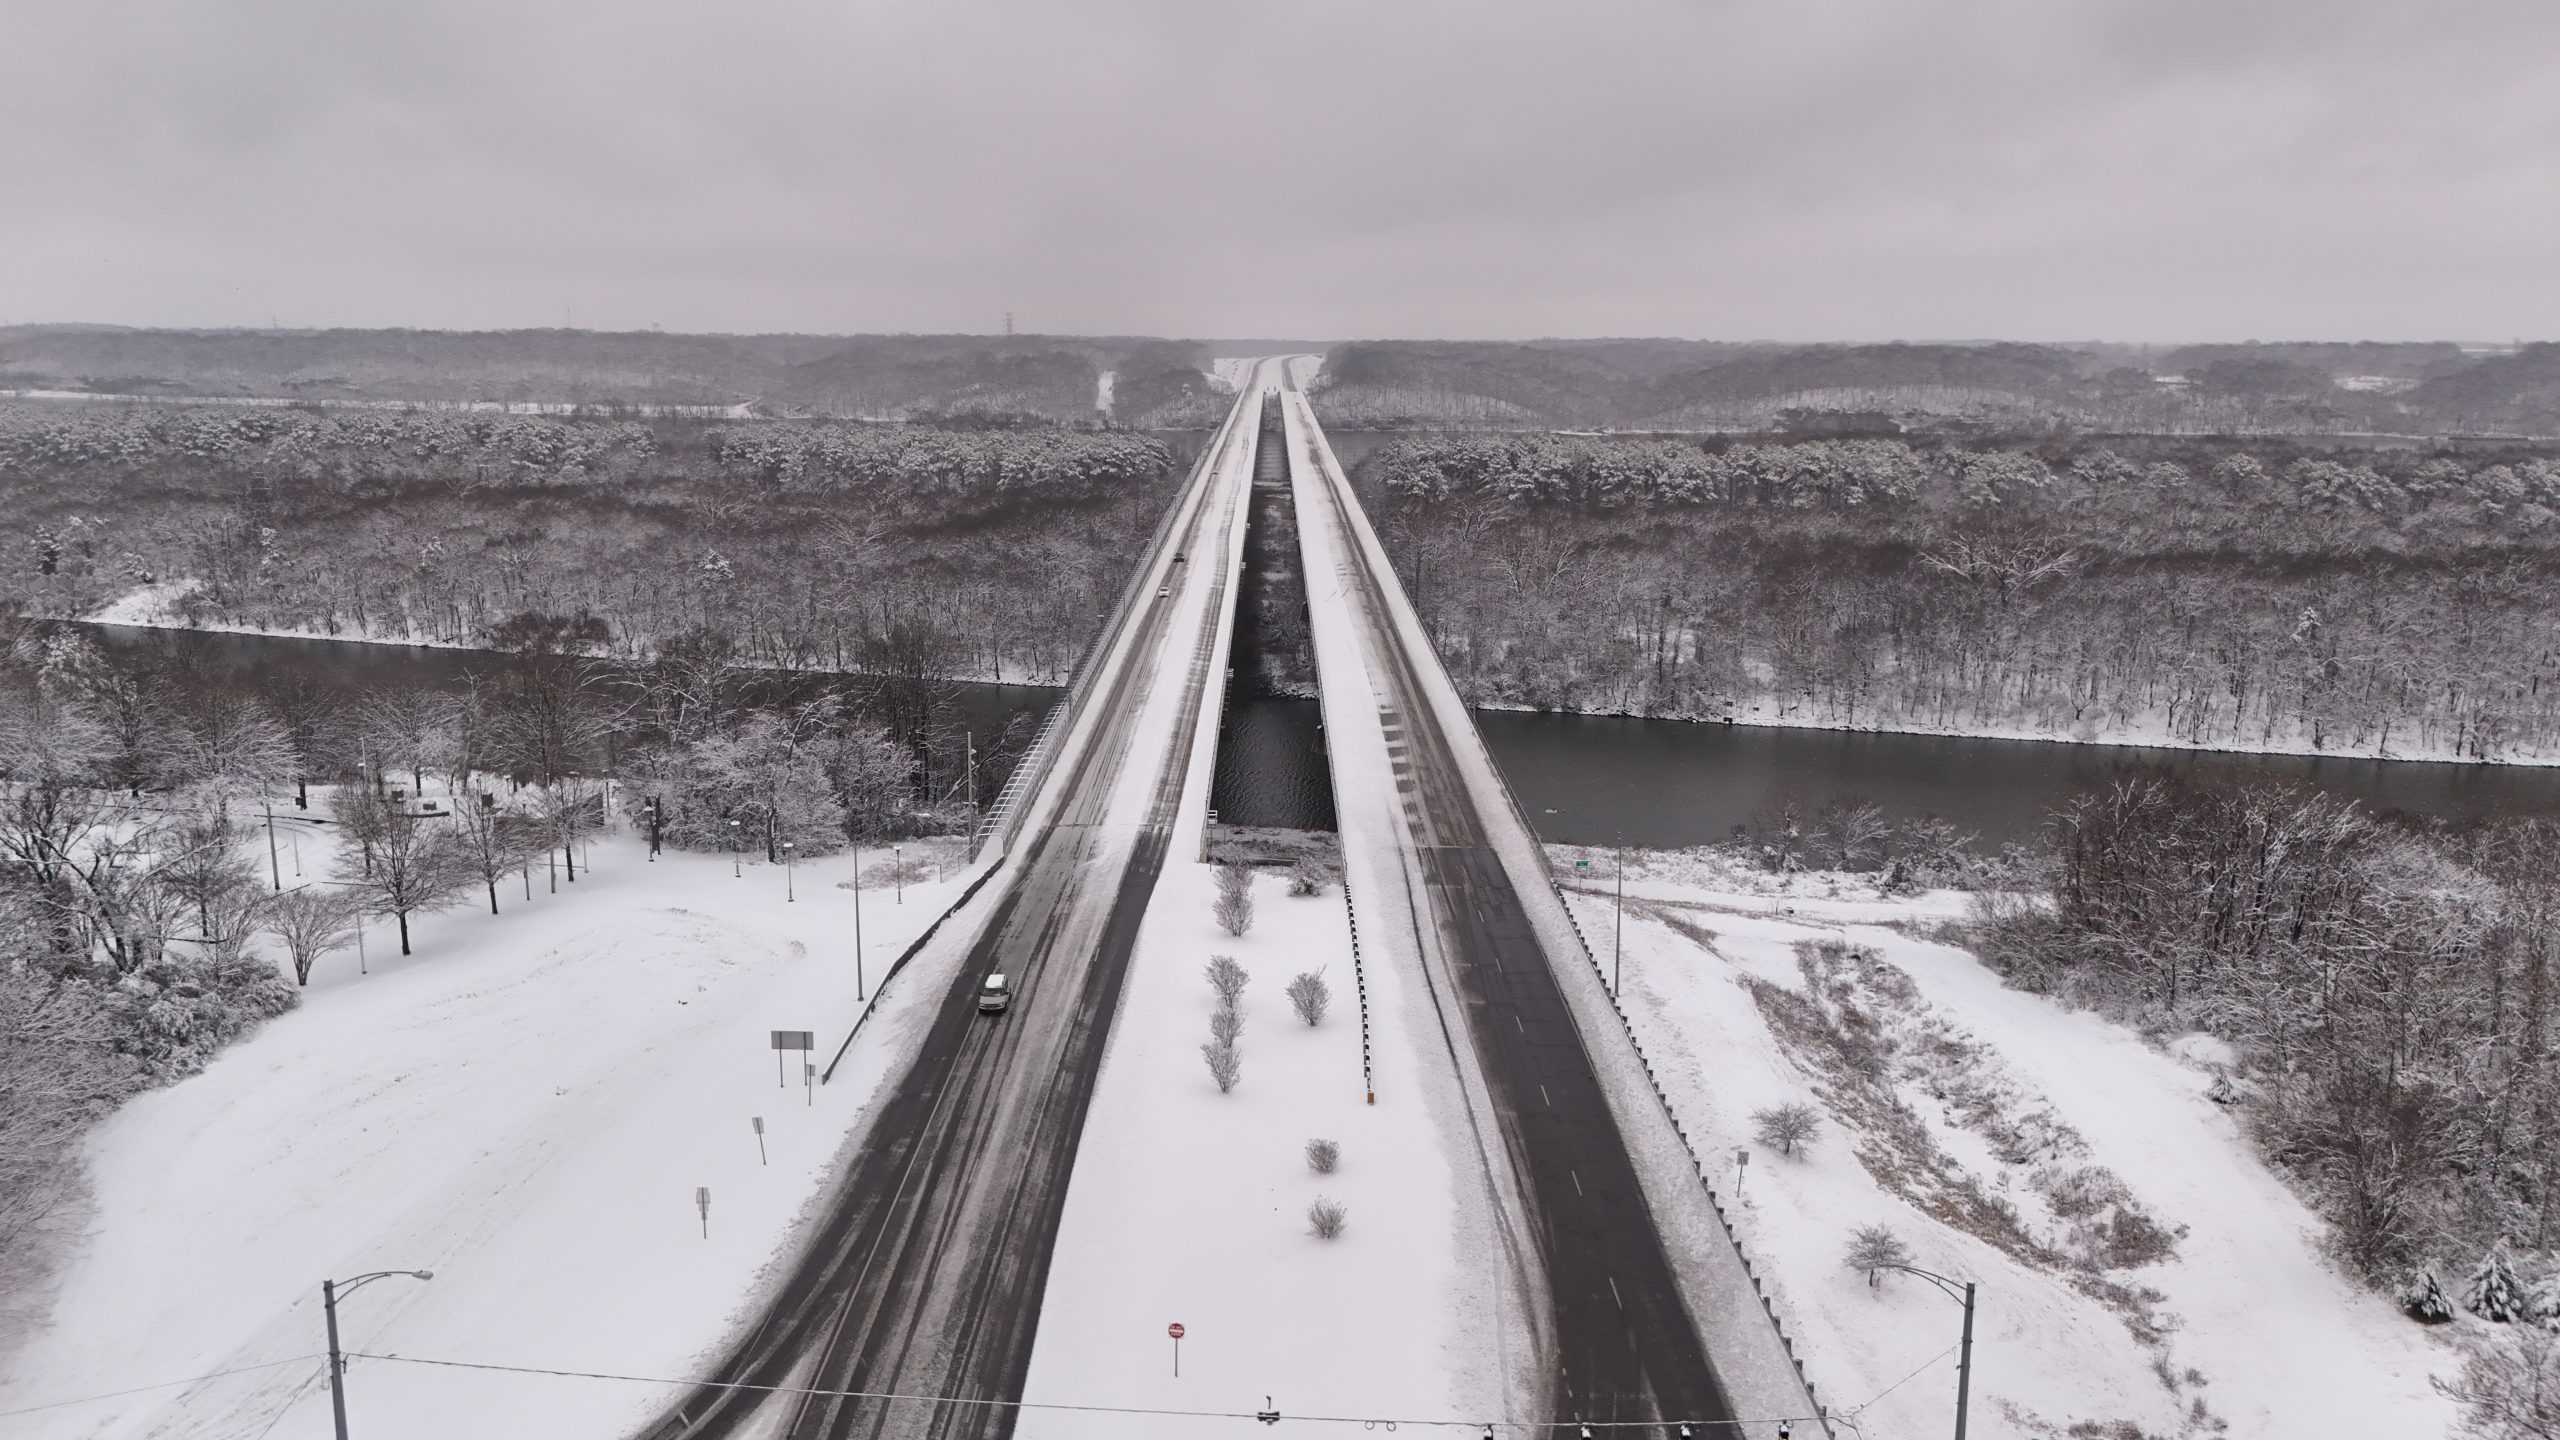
x=1174, y=1330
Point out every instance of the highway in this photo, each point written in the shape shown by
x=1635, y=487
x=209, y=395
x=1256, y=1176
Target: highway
x=1620, y=1345
x=924, y=1277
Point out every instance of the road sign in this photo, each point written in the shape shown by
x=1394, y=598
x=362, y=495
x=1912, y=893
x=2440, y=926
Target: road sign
x=803, y=1040
x=1174, y=1330
x=702, y=1202
x=1581, y=864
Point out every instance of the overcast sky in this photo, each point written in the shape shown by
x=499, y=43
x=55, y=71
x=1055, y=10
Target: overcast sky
x=1738, y=169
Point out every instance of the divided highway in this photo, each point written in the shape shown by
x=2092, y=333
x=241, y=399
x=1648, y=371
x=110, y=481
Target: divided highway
x=925, y=1275
x=1623, y=1347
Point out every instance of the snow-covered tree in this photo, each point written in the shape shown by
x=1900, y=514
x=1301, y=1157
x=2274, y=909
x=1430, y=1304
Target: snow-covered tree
x=2422, y=1299
x=1234, y=905
x=1309, y=996
x=2493, y=1293
x=1875, y=1249
x=312, y=921
x=412, y=866
x=1226, y=1063
x=2509, y=1387
x=1323, y=1156
x=1227, y=978
x=1325, y=1218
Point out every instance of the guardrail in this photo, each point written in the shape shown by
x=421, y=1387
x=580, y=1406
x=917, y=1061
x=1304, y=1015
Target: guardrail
x=1359, y=982
x=1036, y=761
x=1663, y=1098
x=914, y=947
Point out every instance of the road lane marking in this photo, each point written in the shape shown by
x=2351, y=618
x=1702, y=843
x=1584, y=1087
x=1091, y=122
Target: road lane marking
x=1577, y=1180
x=1543, y=1095
x=1614, y=1295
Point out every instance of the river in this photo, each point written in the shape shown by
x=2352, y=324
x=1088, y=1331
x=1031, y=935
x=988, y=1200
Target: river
x=1584, y=779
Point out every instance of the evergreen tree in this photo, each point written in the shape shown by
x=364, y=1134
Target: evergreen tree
x=2422, y=1299
x=2494, y=1293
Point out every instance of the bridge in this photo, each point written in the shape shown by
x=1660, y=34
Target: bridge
x=914, y=1303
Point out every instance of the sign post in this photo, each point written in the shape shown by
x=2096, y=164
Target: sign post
x=1741, y=1159
x=803, y=1041
x=702, y=1202
x=758, y=1122
x=1175, y=1330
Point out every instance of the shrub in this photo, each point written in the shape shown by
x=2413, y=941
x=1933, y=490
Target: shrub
x=1226, y=1025
x=1309, y=996
x=1323, y=1156
x=1226, y=1063
x=1227, y=978
x=1307, y=876
x=1324, y=1218
x=1234, y=907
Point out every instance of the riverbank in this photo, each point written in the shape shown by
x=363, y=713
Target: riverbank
x=2154, y=735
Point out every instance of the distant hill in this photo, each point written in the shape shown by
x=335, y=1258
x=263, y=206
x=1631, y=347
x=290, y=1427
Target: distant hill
x=2502, y=392
x=2304, y=388
x=988, y=377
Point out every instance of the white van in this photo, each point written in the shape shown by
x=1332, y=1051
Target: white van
x=994, y=995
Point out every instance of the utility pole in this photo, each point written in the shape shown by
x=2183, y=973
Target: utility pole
x=858, y=990
x=275, y=871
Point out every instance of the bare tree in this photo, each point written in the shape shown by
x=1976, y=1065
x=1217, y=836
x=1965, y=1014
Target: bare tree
x=1226, y=1025
x=1786, y=1127
x=2509, y=1388
x=1234, y=907
x=413, y=868
x=1325, y=1217
x=491, y=840
x=1227, y=978
x=1323, y=1156
x=1875, y=1249
x=1226, y=1063
x=1308, y=876
x=1309, y=996
x=311, y=922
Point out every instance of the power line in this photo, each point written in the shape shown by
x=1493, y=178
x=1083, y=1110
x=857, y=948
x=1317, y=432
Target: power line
x=141, y=1389
x=1523, y=1427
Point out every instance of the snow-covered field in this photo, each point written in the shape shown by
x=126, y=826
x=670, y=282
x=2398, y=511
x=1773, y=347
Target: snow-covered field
x=1990, y=1103
x=526, y=1108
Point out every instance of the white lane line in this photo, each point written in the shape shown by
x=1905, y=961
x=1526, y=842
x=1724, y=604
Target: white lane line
x=1614, y=1295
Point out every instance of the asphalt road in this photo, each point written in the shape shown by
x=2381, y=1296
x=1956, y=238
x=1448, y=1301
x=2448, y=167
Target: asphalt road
x=1626, y=1348
x=925, y=1276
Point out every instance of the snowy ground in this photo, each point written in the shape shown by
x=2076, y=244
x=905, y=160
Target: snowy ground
x=526, y=1108
x=1991, y=1096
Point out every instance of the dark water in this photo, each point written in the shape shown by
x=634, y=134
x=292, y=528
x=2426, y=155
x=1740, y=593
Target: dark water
x=1600, y=780
x=1582, y=778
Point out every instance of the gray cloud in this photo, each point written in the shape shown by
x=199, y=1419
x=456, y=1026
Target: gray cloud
x=2143, y=169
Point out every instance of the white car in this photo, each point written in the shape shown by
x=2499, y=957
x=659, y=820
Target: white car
x=994, y=995
x=1164, y=592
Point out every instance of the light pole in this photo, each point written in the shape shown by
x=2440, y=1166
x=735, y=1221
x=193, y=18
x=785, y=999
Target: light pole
x=655, y=828
x=787, y=893
x=898, y=871
x=737, y=863
x=330, y=1291
x=1618, y=927
x=1960, y=1291
x=858, y=991
x=274, y=870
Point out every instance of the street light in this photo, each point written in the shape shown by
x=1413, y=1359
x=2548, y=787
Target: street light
x=330, y=1291
x=898, y=871
x=737, y=865
x=1960, y=1291
x=787, y=893
x=858, y=989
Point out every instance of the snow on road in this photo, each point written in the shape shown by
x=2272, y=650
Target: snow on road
x=526, y=1108
x=2285, y=1346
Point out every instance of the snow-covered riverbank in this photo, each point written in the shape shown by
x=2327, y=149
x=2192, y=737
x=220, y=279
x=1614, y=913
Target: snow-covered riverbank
x=1991, y=1117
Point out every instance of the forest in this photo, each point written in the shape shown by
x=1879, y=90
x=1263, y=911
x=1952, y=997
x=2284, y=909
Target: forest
x=2387, y=993
x=2226, y=593
x=803, y=544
